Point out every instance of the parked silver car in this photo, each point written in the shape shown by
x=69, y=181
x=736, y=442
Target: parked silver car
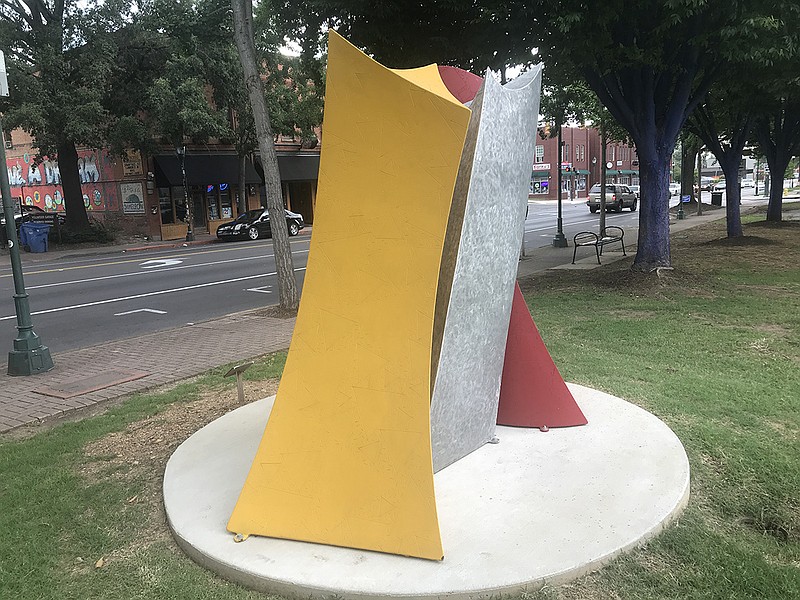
x=618, y=196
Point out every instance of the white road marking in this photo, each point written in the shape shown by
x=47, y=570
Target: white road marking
x=104, y=262
x=138, y=310
x=147, y=295
x=264, y=289
x=137, y=273
x=161, y=262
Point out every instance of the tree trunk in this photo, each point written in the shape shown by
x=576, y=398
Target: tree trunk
x=733, y=192
x=243, y=34
x=76, y=217
x=654, y=249
x=699, y=182
x=241, y=205
x=778, y=161
x=779, y=138
x=688, y=154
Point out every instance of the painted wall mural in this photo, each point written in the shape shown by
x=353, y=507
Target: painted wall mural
x=39, y=184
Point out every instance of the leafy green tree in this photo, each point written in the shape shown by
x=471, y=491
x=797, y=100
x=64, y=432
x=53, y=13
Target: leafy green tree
x=651, y=64
x=772, y=36
x=178, y=104
x=471, y=35
x=723, y=122
x=61, y=59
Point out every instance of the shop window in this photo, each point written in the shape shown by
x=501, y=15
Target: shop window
x=225, y=202
x=172, y=205
x=211, y=202
x=179, y=203
x=539, y=186
x=539, y=155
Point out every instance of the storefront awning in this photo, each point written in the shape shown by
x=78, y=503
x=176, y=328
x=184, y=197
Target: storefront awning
x=540, y=174
x=574, y=172
x=621, y=172
x=296, y=167
x=202, y=169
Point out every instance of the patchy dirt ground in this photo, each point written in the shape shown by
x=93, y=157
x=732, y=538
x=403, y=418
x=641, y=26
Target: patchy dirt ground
x=140, y=452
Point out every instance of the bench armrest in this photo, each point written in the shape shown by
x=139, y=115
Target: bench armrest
x=612, y=231
x=585, y=238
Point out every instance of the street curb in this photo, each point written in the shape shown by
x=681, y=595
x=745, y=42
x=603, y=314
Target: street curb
x=177, y=244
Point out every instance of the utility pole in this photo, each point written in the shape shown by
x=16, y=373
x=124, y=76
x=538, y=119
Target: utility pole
x=29, y=356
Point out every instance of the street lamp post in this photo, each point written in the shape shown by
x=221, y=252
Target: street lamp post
x=181, y=152
x=29, y=356
x=559, y=240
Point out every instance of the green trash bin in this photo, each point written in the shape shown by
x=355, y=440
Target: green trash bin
x=34, y=236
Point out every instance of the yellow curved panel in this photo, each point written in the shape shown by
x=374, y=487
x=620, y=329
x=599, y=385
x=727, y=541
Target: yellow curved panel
x=346, y=456
x=427, y=77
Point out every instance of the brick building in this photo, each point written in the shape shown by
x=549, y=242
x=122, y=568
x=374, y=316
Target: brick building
x=580, y=163
x=145, y=195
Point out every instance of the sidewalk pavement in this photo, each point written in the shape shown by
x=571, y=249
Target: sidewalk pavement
x=89, y=377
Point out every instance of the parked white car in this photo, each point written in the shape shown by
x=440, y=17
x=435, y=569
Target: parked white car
x=748, y=183
x=674, y=189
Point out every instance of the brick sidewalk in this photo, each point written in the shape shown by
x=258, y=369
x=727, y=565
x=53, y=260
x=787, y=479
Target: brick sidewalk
x=136, y=364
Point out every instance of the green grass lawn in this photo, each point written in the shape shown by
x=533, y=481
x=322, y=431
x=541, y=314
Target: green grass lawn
x=712, y=348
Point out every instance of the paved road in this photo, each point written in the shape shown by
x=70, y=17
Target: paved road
x=541, y=225
x=79, y=302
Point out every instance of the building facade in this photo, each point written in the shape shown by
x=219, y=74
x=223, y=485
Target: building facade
x=580, y=163
x=149, y=195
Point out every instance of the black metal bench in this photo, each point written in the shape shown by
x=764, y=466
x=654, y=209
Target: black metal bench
x=608, y=235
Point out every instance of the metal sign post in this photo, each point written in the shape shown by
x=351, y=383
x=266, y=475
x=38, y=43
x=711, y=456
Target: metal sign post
x=238, y=370
x=29, y=356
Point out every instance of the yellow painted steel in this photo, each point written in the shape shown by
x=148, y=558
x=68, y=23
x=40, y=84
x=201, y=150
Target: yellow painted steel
x=346, y=456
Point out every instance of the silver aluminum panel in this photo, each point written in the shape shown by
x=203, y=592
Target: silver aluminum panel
x=494, y=176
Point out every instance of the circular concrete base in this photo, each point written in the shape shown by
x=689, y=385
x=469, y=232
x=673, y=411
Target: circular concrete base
x=537, y=507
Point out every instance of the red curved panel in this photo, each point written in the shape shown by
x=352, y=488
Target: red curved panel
x=532, y=392
x=462, y=84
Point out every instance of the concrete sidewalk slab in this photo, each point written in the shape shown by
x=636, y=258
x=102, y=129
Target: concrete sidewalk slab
x=536, y=508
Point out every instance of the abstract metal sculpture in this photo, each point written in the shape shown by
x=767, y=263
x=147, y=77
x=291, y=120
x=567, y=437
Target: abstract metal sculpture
x=401, y=333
